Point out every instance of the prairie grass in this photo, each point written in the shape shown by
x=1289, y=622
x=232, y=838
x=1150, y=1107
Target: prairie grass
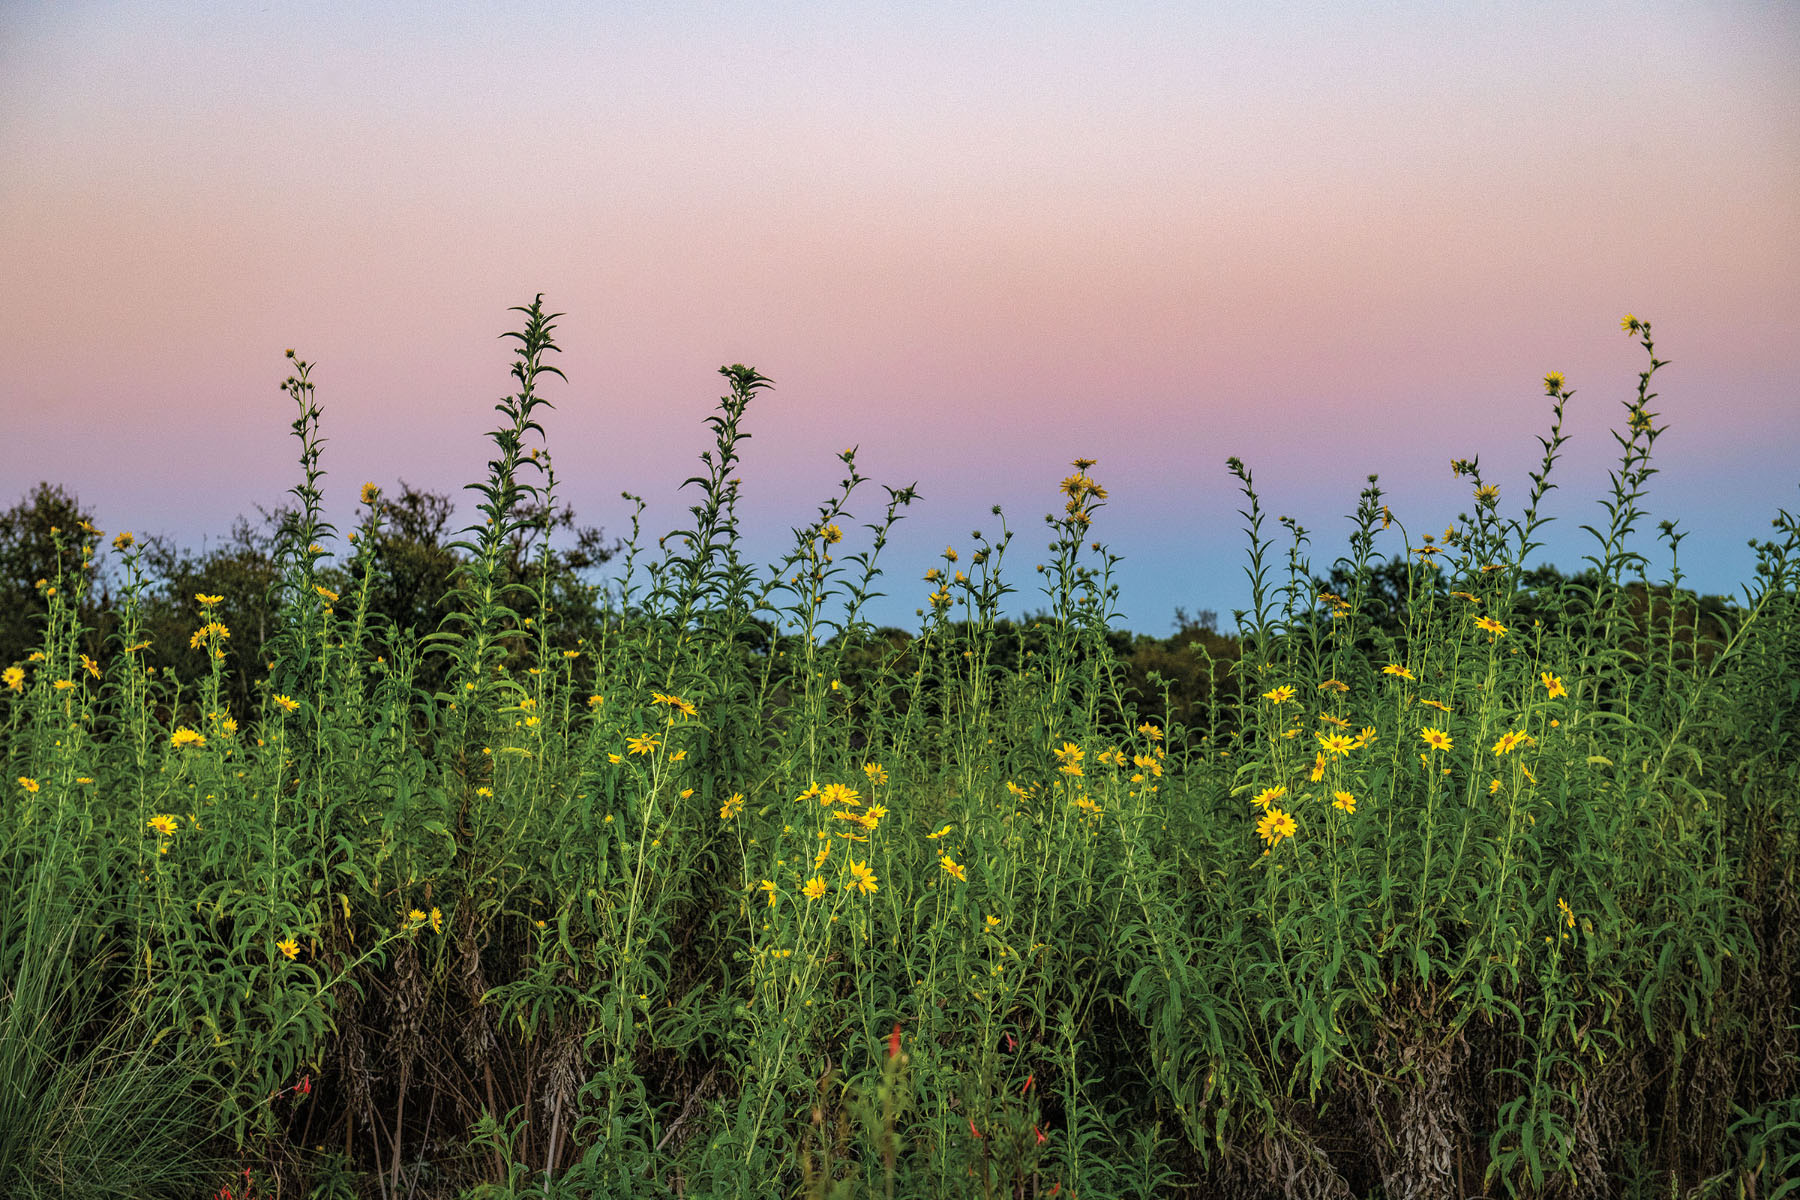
x=1489, y=891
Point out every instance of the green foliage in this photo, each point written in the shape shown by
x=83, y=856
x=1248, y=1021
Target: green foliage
x=413, y=865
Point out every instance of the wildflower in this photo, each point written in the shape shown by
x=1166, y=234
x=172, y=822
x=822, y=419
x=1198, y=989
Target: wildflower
x=206, y=633
x=1343, y=800
x=641, y=743
x=124, y=541
x=289, y=947
x=993, y=922
x=1318, y=767
x=1150, y=731
x=1471, y=598
x=894, y=1041
x=837, y=793
x=950, y=553
x=1336, y=743
x=940, y=833
x=823, y=854
x=832, y=534
x=1396, y=669
x=595, y=701
x=185, y=737
x=1069, y=755
x=769, y=889
x=1493, y=787
x=1630, y=324
x=1489, y=625
x=732, y=807
x=329, y=596
x=92, y=667
x=1568, y=914
x=1437, y=739
x=1554, y=685
x=1553, y=383
x=953, y=868
x=862, y=879
x=686, y=706
x=437, y=919
x=1487, y=494
x=1335, y=685
x=872, y=817
x=1268, y=796
x=203, y=598
x=164, y=824
x=814, y=889
x=15, y=678
x=1280, y=695
x=1275, y=825
x=876, y=772
x=63, y=685
x=1365, y=736
x=1437, y=704
x=1508, y=741
x=1331, y=720
x=30, y=785
x=416, y=916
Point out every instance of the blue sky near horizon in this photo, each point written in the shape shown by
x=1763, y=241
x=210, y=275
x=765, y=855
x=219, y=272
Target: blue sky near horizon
x=975, y=240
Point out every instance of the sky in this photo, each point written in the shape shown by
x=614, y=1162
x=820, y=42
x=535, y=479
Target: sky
x=975, y=240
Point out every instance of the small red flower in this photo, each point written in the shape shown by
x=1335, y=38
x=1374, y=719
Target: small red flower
x=1040, y=1135
x=305, y=1085
x=894, y=1041
x=1010, y=1044
x=972, y=1130
x=1029, y=1080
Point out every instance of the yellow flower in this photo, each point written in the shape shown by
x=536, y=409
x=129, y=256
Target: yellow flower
x=184, y=737
x=823, y=854
x=815, y=889
x=595, y=701
x=437, y=919
x=1335, y=685
x=940, y=833
x=832, y=535
x=15, y=678
x=1275, y=825
x=369, y=493
x=1150, y=731
x=92, y=667
x=63, y=685
x=208, y=631
x=164, y=824
x=1437, y=739
x=289, y=947
x=862, y=879
x=416, y=917
x=1493, y=787
x=837, y=793
x=1336, y=743
x=1396, y=669
x=1508, y=741
x=1365, y=736
x=1553, y=383
x=124, y=542
x=1280, y=695
x=952, y=868
x=1318, y=767
x=1343, y=800
x=1554, y=685
x=876, y=772
x=1489, y=625
x=203, y=598
x=1487, y=494
x=1630, y=324
x=1437, y=704
x=329, y=596
x=1268, y=796
x=1568, y=914
x=286, y=703
x=768, y=887
x=486, y=793
x=1070, y=756
x=993, y=922
x=30, y=785
x=641, y=743
x=732, y=807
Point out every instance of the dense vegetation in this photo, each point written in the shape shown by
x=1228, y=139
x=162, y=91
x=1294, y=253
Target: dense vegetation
x=444, y=872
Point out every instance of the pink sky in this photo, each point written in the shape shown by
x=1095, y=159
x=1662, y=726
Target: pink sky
x=976, y=240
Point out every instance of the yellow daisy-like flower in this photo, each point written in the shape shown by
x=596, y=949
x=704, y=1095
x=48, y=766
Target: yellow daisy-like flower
x=769, y=890
x=325, y=593
x=877, y=774
x=1487, y=494
x=124, y=541
x=185, y=737
x=89, y=665
x=1280, y=695
x=416, y=916
x=1553, y=685
x=862, y=879
x=953, y=868
x=14, y=678
x=641, y=743
x=29, y=784
x=1396, y=669
x=164, y=824
x=595, y=701
x=437, y=919
x=1553, y=383
x=289, y=947
x=1365, y=736
x=824, y=853
x=1568, y=914
x=1630, y=324
x=1343, y=800
x=1336, y=685
x=1437, y=739
x=732, y=806
x=837, y=793
x=832, y=535
x=1275, y=825
x=203, y=598
x=815, y=889
x=1318, y=767
x=1070, y=756
x=1336, y=743
x=1150, y=731
x=1437, y=704
x=1508, y=741
x=1489, y=625
x=940, y=833
x=1268, y=796
x=63, y=685
x=370, y=492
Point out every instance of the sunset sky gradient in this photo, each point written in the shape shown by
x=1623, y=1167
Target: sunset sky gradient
x=976, y=240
